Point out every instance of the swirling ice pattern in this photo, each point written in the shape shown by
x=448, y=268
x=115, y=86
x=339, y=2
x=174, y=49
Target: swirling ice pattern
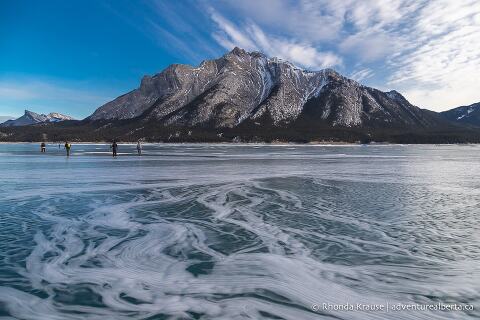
x=265, y=247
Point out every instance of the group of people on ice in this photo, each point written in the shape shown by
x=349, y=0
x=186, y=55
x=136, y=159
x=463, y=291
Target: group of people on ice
x=113, y=147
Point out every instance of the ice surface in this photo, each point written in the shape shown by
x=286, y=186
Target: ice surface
x=237, y=231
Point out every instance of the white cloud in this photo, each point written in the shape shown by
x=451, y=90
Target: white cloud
x=378, y=14
x=439, y=70
x=368, y=48
x=359, y=30
x=229, y=35
x=252, y=37
x=309, y=20
x=360, y=75
x=428, y=49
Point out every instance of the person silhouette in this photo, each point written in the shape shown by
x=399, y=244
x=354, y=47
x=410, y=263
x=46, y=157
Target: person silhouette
x=114, y=148
x=139, y=148
x=68, y=146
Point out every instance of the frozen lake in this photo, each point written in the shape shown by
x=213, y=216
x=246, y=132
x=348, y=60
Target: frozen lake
x=212, y=231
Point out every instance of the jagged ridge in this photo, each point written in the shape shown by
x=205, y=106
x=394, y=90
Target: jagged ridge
x=30, y=117
x=246, y=85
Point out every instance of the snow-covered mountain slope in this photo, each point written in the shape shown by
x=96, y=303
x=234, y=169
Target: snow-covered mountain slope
x=56, y=117
x=30, y=118
x=465, y=115
x=241, y=86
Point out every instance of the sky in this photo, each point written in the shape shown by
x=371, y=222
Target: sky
x=73, y=56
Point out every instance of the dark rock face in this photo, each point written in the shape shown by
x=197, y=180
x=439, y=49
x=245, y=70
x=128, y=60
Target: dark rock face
x=30, y=118
x=249, y=86
x=469, y=115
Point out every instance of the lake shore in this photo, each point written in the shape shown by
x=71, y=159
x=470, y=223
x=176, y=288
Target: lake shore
x=313, y=143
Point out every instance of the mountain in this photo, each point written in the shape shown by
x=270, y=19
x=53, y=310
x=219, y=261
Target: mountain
x=56, y=117
x=30, y=118
x=469, y=115
x=246, y=96
x=247, y=86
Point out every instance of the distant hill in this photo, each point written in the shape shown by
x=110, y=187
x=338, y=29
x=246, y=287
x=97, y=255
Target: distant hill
x=30, y=118
x=465, y=115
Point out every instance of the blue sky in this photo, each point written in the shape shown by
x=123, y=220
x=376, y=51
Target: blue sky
x=73, y=56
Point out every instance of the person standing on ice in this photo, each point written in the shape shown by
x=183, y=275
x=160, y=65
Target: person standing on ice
x=114, y=148
x=139, y=148
x=68, y=146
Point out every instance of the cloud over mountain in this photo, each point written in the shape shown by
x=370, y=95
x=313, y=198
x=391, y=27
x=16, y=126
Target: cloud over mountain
x=427, y=48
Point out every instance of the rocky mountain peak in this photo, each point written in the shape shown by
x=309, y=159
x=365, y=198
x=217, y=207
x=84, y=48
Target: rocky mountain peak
x=35, y=116
x=30, y=117
x=394, y=94
x=242, y=86
x=242, y=52
x=238, y=51
x=55, y=116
